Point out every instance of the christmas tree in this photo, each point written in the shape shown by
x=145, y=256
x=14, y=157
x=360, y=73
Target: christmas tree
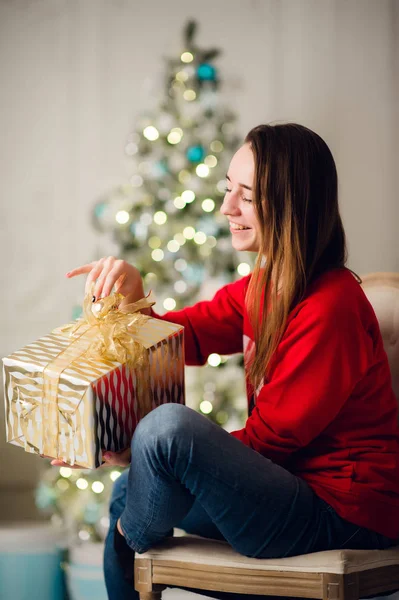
x=165, y=221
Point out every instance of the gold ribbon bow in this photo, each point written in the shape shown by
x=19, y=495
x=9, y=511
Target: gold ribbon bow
x=112, y=327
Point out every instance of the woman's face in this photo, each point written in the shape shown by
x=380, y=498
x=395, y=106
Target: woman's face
x=237, y=204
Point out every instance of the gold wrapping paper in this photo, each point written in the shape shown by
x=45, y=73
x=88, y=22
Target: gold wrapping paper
x=84, y=387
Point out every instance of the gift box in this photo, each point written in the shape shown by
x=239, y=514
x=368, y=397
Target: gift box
x=83, y=388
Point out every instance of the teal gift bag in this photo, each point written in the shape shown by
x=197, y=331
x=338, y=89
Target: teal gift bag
x=84, y=572
x=30, y=562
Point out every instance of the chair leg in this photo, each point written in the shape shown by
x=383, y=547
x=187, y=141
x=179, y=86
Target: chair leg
x=143, y=581
x=340, y=587
x=150, y=595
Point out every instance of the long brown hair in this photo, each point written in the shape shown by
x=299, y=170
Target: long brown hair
x=295, y=194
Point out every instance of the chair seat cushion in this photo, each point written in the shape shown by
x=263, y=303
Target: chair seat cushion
x=216, y=553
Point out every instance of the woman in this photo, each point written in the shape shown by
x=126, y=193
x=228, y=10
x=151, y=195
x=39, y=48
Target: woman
x=316, y=465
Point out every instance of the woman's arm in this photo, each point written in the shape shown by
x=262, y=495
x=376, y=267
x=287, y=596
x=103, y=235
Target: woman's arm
x=212, y=326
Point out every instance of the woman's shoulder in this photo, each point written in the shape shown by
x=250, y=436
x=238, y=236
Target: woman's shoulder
x=338, y=292
x=334, y=284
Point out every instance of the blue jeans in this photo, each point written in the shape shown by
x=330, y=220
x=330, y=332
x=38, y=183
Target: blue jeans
x=189, y=473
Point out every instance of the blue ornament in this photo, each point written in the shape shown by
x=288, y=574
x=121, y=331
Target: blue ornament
x=77, y=312
x=99, y=209
x=206, y=72
x=160, y=168
x=208, y=226
x=195, y=153
x=91, y=513
x=45, y=496
x=194, y=274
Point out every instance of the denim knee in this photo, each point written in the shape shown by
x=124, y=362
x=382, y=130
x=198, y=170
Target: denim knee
x=164, y=422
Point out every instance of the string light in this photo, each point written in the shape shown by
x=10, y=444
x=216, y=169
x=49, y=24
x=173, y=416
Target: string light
x=199, y=238
x=104, y=521
x=151, y=133
x=214, y=360
x=179, y=202
x=189, y=95
x=82, y=484
x=150, y=279
x=208, y=205
x=157, y=255
x=221, y=185
x=160, y=217
x=175, y=135
x=188, y=196
x=211, y=161
x=202, y=170
x=206, y=407
x=146, y=219
x=180, y=265
x=243, y=269
x=169, y=303
x=63, y=485
x=131, y=148
x=181, y=76
x=189, y=232
x=177, y=85
x=180, y=286
x=184, y=176
x=187, y=57
x=65, y=472
x=216, y=146
x=97, y=487
x=122, y=217
x=173, y=246
x=180, y=239
x=136, y=180
x=222, y=417
x=154, y=242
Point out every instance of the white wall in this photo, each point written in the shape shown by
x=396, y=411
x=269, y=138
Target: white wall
x=76, y=74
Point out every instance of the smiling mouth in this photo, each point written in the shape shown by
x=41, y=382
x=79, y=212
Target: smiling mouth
x=236, y=227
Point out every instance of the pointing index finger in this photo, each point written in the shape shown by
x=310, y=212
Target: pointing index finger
x=80, y=270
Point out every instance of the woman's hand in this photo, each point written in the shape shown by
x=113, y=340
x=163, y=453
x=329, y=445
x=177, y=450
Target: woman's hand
x=111, y=459
x=109, y=272
x=118, y=459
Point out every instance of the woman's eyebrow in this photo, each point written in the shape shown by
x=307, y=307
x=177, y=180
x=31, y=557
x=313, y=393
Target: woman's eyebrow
x=247, y=187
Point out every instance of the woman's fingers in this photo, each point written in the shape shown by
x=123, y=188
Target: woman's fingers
x=118, y=459
x=80, y=270
x=108, y=265
x=59, y=463
x=108, y=273
x=93, y=276
x=112, y=278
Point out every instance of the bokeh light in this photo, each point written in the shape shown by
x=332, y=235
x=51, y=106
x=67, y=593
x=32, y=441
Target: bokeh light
x=151, y=133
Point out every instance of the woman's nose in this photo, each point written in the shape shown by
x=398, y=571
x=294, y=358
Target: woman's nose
x=229, y=206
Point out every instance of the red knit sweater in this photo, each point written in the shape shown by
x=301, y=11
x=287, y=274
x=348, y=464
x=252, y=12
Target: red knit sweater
x=327, y=413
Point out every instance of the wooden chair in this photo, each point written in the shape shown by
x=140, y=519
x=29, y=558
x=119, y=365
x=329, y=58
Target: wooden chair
x=195, y=562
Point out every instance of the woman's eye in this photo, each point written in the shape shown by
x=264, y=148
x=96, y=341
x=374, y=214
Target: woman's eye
x=226, y=189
